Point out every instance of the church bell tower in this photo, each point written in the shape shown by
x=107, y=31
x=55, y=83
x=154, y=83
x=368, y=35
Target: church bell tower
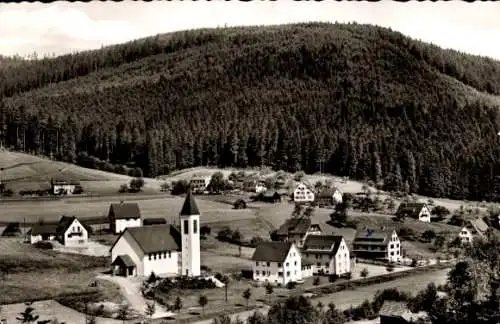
x=190, y=235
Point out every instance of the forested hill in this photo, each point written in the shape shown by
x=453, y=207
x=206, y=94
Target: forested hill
x=359, y=100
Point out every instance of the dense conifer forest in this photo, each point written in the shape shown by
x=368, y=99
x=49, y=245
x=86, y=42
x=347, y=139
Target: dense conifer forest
x=349, y=99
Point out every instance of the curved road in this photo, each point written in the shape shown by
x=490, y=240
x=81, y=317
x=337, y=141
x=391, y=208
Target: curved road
x=344, y=299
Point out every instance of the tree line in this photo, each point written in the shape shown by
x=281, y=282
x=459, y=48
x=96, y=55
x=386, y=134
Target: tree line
x=352, y=100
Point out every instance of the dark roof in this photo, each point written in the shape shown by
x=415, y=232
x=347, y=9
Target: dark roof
x=189, y=207
x=125, y=210
x=125, y=260
x=155, y=238
x=44, y=228
x=323, y=242
x=295, y=226
x=478, y=224
x=327, y=193
x=373, y=236
x=64, y=223
x=153, y=221
x=410, y=208
x=271, y=251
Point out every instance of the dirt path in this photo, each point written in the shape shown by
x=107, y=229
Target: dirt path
x=131, y=288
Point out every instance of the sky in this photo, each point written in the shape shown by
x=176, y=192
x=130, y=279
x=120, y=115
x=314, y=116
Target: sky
x=63, y=27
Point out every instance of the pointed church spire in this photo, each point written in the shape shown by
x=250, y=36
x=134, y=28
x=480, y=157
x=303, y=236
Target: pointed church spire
x=189, y=208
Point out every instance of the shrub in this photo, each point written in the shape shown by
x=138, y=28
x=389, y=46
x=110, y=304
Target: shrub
x=364, y=273
x=255, y=241
x=123, y=188
x=428, y=235
x=332, y=278
x=240, y=204
x=43, y=245
x=316, y=281
x=180, y=187
x=291, y=285
x=205, y=230
x=390, y=267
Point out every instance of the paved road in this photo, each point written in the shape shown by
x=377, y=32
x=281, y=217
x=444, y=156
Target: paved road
x=344, y=299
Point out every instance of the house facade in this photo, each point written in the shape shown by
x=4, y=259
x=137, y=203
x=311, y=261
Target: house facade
x=378, y=243
x=260, y=187
x=63, y=186
x=200, y=184
x=419, y=211
x=124, y=215
x=329, y=253
x=69, y=231
x=303, y=194
x=329, y=197
x=296, y=230
x=164, y=249
x=473, y=228
x=277, y=263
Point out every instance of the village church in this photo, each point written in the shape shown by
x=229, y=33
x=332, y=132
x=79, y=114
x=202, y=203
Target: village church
x=165, y=249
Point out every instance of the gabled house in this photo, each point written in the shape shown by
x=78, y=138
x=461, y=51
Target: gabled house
x=381, y=243
x=329, y=197
x=418, y=211
x=200, y=184
x=296, y=230
x=276, y=262
x=139, y=251
x=303, y=194
x=61, y=185
x=329, y=252
x=473, y=228
x=68, y=231
x=271, y=196
x=124, y=215
x=163, y=249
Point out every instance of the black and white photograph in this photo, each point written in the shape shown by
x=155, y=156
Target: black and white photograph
x=250, y=162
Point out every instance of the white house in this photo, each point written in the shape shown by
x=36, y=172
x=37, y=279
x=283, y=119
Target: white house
x=69, y=231
x=303, y=194
x=472, y=229
x=379, y=243
x=418, y=211
x=124, y=215
x=260, y=187
x=200, y=184
x=329, y=197
x=63, y=186
x=164, y=249
x=337, y=195
x=277, y=263
x=329, y=253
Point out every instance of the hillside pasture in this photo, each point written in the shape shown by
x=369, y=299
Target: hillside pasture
x=24, y=171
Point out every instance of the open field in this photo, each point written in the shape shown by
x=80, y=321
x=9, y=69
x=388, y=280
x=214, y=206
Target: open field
x=163, y=206
x=24, y=171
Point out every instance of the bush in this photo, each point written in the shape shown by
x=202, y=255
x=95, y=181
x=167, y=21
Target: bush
x=291, y=285
x=316, y=281
x=332, y=278
x=390, y=267
x=240, y=204
x=428, y=235
x=123, y=188
x=255, y=241
x=205, y=230
x=180, y=187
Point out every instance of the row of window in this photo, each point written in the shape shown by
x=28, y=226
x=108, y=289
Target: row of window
x=318, y=256
x=186, y=226
x=268, y=264
x=160, y=255
x=397, y=246
x=268, y=273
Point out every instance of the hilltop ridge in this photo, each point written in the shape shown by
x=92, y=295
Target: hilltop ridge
x=348, y=99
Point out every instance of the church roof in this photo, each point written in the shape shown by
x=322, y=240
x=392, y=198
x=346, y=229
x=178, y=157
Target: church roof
x=189, y=207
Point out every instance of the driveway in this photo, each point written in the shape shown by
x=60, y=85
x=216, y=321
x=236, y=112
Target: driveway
x=131, y=288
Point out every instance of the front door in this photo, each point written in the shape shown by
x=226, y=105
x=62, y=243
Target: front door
x=130, y=271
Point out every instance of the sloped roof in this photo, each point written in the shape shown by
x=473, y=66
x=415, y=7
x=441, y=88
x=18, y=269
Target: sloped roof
x=412, y=209
x=125, y=260
x=479, y=225
x=49, y=228
x=64, y=223
x=295, y=226
x=373, y=236
x=125, y=210
x=271, y=251
x=155, y=238
x=189, y=207
x=329, y=243
x=153, y=221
